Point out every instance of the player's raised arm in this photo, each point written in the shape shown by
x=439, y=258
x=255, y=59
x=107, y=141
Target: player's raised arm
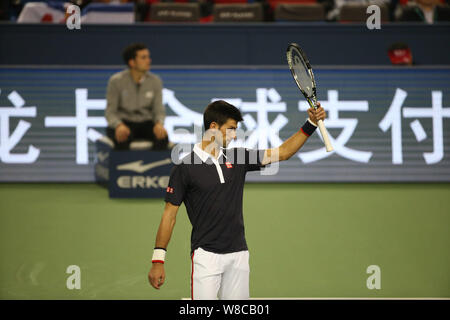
x=297, y=140
x=157, y=275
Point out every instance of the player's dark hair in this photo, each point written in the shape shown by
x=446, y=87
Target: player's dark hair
x=130, y=51
x=220, y=111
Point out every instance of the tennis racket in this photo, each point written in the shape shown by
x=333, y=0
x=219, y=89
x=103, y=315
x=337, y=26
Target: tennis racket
x=304, y=78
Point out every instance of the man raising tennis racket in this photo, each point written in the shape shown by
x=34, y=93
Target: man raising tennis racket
x=210, y=182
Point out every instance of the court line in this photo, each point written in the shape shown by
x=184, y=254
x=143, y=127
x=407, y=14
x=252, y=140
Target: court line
x=347, y=298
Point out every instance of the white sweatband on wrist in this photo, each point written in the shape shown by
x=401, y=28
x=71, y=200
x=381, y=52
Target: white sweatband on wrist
x=159, y=255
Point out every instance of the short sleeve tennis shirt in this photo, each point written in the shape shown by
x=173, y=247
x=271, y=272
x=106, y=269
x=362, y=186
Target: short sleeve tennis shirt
x=212, y=191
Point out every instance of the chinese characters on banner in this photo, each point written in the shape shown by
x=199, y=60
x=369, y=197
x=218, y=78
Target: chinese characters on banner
x=393, y=120
x=261, y=133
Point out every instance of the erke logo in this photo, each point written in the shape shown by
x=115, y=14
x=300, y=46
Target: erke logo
x=228, y=164
x=138, y=167
x=102, y=156
x=140, y=181
x=169, y=190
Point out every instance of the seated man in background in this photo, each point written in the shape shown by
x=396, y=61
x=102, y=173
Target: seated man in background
x=134, y=102
x=429, y=11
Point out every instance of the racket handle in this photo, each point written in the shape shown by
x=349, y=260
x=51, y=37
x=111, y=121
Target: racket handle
x=326, y=139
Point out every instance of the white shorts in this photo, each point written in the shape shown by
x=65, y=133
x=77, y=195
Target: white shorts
x=220, y=276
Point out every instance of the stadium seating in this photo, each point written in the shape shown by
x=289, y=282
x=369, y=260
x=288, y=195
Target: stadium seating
x=353, y=12
x=230, y=1
x=42, y=12
x=238, y=12
x=299, y=12
x=55, y=12
x=175, y=12
x=409, y=12
x=274, y=3
x=108, y=13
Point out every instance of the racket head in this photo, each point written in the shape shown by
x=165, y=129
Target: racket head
x=302, y=72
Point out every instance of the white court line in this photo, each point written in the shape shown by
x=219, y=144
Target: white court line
x=349, y=298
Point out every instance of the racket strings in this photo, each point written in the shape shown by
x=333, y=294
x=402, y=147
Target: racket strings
x=301, y=72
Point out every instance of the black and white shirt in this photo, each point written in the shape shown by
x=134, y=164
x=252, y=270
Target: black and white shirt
x=212, y=191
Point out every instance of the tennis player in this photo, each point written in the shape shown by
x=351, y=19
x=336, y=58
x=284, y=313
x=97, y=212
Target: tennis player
x=210, y=182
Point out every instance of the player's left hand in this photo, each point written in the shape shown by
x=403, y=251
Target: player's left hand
x=317, y=114
x=159, y=131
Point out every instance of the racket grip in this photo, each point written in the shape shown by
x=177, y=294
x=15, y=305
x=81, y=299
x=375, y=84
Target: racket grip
x=324, y=133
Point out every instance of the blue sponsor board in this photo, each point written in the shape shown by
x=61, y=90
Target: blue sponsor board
x=139, y=174
x=101, y=161
x=386, y=124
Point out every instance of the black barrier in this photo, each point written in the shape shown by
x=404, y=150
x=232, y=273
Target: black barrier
x=222, y=44
x=251, y=309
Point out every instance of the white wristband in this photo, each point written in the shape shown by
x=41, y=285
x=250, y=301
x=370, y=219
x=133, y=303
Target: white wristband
x=159, y=255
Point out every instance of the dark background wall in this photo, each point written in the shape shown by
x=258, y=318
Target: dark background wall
x=219, y=44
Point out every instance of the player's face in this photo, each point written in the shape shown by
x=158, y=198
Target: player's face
x=142, y=61
x=228, y=131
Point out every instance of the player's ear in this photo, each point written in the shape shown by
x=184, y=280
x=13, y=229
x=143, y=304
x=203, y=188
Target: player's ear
x=209, y=134
x=214, y=125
